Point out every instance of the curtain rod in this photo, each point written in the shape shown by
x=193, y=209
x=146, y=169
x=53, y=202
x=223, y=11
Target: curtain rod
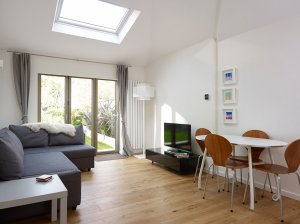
x=65, y=58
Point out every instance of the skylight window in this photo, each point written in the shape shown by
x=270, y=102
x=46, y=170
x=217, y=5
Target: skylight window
x=94, y=19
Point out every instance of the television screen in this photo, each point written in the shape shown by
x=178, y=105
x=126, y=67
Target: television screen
x=178, y=136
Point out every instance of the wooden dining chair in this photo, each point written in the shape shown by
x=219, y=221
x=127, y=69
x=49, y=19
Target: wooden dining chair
x=255, y=152
x=220, y=149
x=200, y=131
x=292, y=158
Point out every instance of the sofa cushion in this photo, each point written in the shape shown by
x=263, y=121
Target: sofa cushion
x=55, y=163
x=29, y=138
x=71, y=151
x=47, y=163
x=11, y=155
x=63, y=139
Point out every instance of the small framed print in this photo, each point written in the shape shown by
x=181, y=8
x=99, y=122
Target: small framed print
x=229, y=116
x=229, y=95
x=229, y=76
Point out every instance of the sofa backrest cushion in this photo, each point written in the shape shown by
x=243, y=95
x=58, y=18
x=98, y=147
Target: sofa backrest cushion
x=63, y=139
x=29, y=138
x=11, y=155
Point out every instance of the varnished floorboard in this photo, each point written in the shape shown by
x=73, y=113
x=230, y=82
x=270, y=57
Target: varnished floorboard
x=135, y=191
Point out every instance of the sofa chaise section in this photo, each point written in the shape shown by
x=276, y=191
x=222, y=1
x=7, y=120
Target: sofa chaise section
x=81, y=155
x=55, y=163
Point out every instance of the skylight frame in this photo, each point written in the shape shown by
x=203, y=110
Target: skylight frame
x=84, y=25
x=90, y=31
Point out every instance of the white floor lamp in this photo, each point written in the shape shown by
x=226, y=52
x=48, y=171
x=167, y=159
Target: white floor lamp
x=144, y=92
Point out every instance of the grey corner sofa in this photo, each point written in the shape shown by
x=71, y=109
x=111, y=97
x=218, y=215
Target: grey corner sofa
x=24, y=154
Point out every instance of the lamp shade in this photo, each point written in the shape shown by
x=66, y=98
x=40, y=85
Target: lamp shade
x=143, y=91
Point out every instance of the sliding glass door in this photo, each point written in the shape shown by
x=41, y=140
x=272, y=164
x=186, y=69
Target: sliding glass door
x=85, y=101
x=106, y=115
x=81, y=106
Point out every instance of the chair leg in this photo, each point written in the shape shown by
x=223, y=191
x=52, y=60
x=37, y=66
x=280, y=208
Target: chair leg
x=241, y=176
x=255, y=196
x=298, y=177
x=264, y=189
x=218, y=178
x=206, y=181
x=213, y=173
x=228, y=181
x=232, y=192
x=280, y=197
x=246, y=188
x=236, y=180
x=226, y=172
x=196, y=171
x=270, y=185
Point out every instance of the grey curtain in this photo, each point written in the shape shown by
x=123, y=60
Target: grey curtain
x=21, y=71
x=122, y=73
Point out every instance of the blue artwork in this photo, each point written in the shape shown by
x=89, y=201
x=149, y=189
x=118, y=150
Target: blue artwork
x=228, y=115
x=228, y=76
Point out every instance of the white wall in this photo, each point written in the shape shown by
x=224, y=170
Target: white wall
x=9, y=113
x=267, y=60
x=181, y=80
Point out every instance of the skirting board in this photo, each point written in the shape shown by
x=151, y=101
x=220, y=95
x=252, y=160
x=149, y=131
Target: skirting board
x=261, y=185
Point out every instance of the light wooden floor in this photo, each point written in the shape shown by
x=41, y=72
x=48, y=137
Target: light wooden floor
x=135, y=191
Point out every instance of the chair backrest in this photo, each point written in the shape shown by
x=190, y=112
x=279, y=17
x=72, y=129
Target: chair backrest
x=292, y=156
x=256, y=134
x=219, y=148
x=202, y=131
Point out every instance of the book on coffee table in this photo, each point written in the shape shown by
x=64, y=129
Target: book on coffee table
x=44, y=178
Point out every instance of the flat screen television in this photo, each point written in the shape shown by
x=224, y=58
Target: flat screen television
x=178, y=136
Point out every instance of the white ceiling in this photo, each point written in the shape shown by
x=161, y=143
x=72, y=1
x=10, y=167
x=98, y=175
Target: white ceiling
x=163, y=27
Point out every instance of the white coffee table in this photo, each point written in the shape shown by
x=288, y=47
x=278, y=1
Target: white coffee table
x=28, y=191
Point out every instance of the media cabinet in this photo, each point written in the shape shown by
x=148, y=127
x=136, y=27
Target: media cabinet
x=181, y=165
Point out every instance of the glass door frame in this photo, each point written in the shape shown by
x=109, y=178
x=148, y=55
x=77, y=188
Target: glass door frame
x=67, y=117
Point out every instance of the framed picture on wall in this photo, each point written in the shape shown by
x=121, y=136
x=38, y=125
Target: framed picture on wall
x=229, y=76
x=229, y=95
x=229, y=116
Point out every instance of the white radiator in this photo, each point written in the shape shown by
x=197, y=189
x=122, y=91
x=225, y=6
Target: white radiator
x=135, y=118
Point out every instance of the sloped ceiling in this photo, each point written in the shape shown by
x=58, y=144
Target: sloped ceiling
x=238, y=16
x=163, y=27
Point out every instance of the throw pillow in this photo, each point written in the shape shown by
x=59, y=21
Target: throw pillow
x=11, y=155
x=63, y=139
x=29, y=138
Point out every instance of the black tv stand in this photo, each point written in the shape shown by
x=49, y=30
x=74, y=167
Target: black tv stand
x=170, y=160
